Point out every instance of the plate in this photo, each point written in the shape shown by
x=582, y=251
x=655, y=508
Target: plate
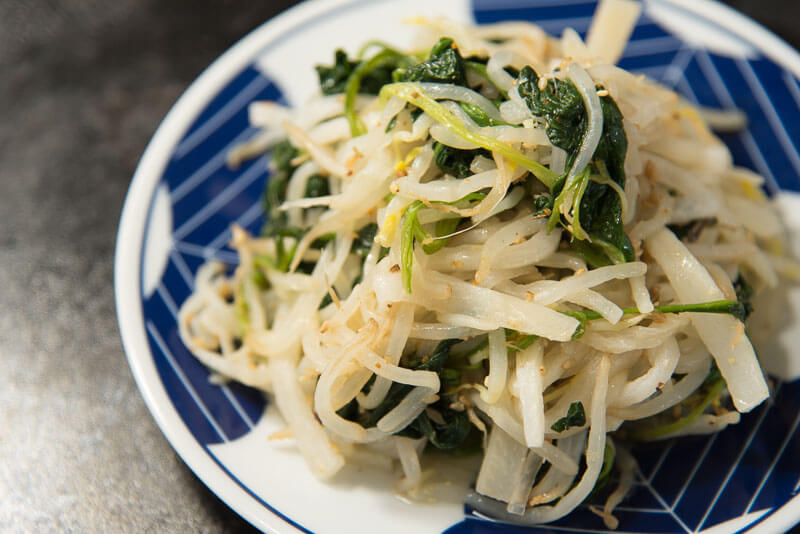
x=183, y=198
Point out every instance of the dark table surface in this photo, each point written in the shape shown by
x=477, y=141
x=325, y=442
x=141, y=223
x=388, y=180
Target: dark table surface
x=83, y=86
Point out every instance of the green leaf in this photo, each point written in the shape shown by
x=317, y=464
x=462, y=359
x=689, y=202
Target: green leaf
x=333, y=79
x=542, y=205
x=596, y=209
x=282, y=154
x=575, y=417
x=560, y=105
x=454, y=161
x=317, y=186
x=447, y=436
x=444, y=65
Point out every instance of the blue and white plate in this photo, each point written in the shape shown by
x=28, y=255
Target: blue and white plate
x=183, y=199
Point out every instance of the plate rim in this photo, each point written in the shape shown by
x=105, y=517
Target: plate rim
x=135, y=217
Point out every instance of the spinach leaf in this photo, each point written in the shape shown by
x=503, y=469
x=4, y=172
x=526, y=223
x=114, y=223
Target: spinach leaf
x=601, y=206
x=317, y=186
x=456, y=162
x=333, y=79
x=597, y=231
x=282, y=155
x=575, y=417
x=561, y=107
x=444, y=436
x=542, y=205
x=277, y=221
x=444, y=65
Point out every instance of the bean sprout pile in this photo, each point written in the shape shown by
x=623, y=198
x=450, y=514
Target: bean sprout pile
x=499, y=243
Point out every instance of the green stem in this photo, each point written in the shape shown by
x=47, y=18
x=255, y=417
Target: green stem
x=580, y=188
x=732, y=307
x=407, y=242
x=650, y=434
x=387, y=55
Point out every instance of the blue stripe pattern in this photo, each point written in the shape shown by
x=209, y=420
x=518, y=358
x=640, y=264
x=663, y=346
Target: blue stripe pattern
x=207, y=196
x=684, y=486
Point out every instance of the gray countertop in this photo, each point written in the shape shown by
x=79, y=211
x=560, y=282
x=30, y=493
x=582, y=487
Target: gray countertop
x=83, y=86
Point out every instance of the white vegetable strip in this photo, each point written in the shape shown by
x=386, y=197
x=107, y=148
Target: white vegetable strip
x=706, y=424
x=474, y=306
x=594, y=455
x=518, y=500
x=311, y=438
x=498, y=366
x=635, y=337
x=547, y=292
x=495, y=68
x=409, y=460
x=597, y=302
x=640, y=294
x=504, y=237
x=406, y=411
x=500, y=416
x=628, y=468
x=723, y=334
x=321, y=154
x=670, y=395
x=555, y=483
x=663, y=360
x=296, y=190
x=440, y=91
x=612, y=26
x=438, y=331
x=445, y=190
x=502, y=461
x=383, y=367
x=529, y=380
